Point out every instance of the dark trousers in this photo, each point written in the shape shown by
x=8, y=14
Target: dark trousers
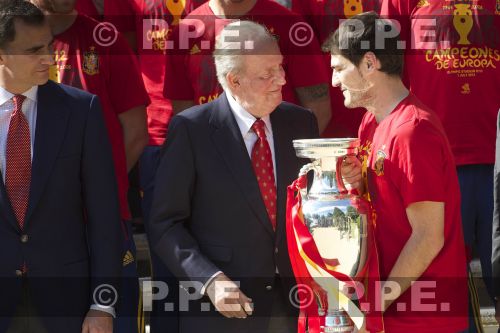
x=162, y=320
x=281, y=320
x=129, y=316
x=476, y=190
x=26, y=319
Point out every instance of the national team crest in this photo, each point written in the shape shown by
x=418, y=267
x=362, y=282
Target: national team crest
x=379, y=163
x=91, y=62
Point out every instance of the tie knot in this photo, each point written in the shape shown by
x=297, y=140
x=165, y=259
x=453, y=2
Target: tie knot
x=259, y=127
x=18, y=102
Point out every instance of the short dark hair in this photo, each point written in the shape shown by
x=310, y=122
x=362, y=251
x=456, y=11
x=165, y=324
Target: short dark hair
x=12, y=10
x=353, y=43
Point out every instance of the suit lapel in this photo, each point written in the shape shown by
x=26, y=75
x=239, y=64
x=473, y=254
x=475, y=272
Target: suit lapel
x=228, y=141
x=50, y=130
x=285, y=165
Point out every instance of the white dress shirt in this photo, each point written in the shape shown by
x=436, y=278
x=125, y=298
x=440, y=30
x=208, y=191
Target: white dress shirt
x=6, y=109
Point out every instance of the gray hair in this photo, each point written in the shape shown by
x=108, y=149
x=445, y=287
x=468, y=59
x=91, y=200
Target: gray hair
x=236, y=39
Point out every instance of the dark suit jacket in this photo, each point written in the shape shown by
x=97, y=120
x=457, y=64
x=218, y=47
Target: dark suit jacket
x=72, y=230
x=208, y=213
x=495, y=258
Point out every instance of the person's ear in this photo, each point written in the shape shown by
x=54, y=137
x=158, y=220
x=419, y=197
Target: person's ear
x=233, y=80
x=371, y=62
x=2, y=56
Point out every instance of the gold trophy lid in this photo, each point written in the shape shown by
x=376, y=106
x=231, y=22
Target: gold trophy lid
x=319, y=148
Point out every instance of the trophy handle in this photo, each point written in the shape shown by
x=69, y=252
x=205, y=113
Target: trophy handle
x=338, y=175
x=303, y=172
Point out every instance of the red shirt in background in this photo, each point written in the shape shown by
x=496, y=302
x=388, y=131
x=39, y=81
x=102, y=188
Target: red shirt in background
x=190, y=73
x=407, y=159
x=459, y=81
x=108, y=72
x=151, y=23
x=88, y=8
x=324, y=17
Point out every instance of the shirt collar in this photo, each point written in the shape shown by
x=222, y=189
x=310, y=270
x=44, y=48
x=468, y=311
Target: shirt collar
x=31, y=94
x=243, y=118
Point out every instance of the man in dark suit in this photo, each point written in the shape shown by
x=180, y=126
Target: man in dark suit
x=218, y=214
x=60, y=237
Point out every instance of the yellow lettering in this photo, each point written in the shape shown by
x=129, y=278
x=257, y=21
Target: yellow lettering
x=483, y=52
x=202, y=100
x=463, y=52
x=497, y=55
x=212, y=97
x=157, y=34
x=428, y=55
x=473, y=53
x=60, y=55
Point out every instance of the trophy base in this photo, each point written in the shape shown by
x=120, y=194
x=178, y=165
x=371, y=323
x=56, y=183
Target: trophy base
x=338, y=322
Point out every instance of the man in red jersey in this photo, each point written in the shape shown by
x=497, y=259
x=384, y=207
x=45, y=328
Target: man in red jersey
x=411, y=181
x=190, y=73
x=111, y=72
x=462, y=63
x=324, y=17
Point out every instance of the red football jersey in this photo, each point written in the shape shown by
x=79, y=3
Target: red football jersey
x=407, y=159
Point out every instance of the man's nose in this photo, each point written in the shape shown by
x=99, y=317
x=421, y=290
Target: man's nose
x=335, y=80
x=280, y=77
x=48, y=59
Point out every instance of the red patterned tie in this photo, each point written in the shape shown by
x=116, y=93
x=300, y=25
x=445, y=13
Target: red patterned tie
x=18, y=161
x=262, y=162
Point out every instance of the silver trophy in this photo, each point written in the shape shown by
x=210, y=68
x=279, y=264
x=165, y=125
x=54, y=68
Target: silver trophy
x=336, y=224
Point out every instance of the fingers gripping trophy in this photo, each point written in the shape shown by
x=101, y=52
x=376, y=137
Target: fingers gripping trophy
x=329, y=235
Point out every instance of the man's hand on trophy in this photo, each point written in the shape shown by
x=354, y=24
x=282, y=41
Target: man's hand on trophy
x=228, y=299
x=351, y=174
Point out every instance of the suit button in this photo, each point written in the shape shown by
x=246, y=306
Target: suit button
x=19, y=273
x=24, y=238
x=269, y=288
x=275, y=250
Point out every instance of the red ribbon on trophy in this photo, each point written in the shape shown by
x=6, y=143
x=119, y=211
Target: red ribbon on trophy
x=317, y=280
